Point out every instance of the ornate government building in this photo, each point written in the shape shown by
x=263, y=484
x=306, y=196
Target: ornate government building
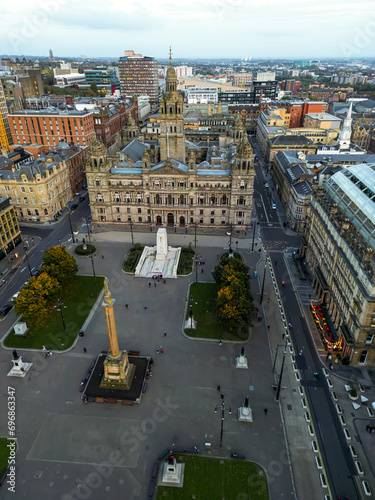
x=172, y=181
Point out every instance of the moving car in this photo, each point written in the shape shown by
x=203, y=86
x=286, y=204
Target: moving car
x=5, y=309
x=82, y=198
x=15, y=296
x=2, y=282
x=73, y=207
x=266, y=185
x=273, y=205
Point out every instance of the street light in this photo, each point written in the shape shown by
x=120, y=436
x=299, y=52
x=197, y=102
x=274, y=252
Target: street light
x=274, y=361
x=131, y=231
x=27, y=260
x=70, y=224
x=252, y=246
x=281, y=374
x=223, y=407
x=93, y=268
x=59, y=307
x=88, y=221
x=264, y=278
x=230, y=240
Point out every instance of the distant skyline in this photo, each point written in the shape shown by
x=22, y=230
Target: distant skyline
x=194, y=28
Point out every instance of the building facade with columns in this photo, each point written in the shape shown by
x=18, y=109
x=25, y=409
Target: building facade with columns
x=171, y=181
x=339, y=244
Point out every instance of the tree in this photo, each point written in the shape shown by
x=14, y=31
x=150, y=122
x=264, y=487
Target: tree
x=234, y=301
x=59, y=264
x=36, y=300
x=94, y=88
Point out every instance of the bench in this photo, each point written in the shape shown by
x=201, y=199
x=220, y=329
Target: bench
x=111, y=401
x=99, y=400
x=134, y=353
x=127, y=402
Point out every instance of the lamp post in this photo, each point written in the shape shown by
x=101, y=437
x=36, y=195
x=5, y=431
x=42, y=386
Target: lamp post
x=59, y=307
x=93, y=267
x=281, y=374
x=195, y=235
x=223, y=407
x=230, y=240
x=274, y=361
x=27, y=260
x=88, y=221
x=252, y=246
x=264, y=278
x=196, y=267
x=70, y=224
x=131, y=231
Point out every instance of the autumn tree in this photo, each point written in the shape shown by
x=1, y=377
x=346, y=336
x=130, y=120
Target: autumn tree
x=234, y=300
x=36, y=300
x=60, y=265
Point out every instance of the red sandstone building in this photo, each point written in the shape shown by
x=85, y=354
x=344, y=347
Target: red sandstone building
x=49, y=128
x=111, y=120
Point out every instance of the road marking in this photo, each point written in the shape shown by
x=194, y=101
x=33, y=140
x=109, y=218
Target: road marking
x=22, y=270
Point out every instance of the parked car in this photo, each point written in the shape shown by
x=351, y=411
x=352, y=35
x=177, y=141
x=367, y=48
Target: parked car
x=15, y=296
x=273, y=205
x=73, y=207
x=2, y=282
x=266, y=185
x=82, y=198
x=5, y=309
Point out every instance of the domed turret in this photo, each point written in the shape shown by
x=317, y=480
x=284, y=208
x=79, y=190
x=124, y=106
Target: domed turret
x=96, y=148
x=244, y=149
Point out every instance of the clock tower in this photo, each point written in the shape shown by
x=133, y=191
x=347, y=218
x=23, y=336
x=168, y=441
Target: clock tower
x=172, y=135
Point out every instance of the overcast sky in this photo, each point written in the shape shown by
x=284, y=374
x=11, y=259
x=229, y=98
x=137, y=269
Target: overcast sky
x=194, y=28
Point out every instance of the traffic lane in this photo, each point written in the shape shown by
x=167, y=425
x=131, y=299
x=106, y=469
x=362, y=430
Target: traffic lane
x=338, y=463
x=326, y=422
x=35, y=232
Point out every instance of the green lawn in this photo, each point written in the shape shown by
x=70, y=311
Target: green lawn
x=4, y=454
x=209, y=326
x=78, y=303
x=217, y=479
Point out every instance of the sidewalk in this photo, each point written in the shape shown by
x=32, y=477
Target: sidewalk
x=363, y=375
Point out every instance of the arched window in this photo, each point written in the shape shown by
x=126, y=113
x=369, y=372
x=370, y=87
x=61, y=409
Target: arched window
x=157, y=199
x=99, y=197
x=127, y=197
x=241, y=201
x=116, y=197
x=139, y=197
x=182, y=200
x=169, y=200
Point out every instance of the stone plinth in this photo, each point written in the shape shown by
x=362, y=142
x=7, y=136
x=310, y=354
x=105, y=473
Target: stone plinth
x=161, y=260
x=172, y=474
x=20, y=368
x=20, y=328
x=241, y=362
x=245, y=414
x=118, y=372
x=191, y=323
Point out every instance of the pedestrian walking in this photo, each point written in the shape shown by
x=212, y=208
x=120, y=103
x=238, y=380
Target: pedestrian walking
x=126, y=306
x=149, y=284
x=268, y=327
x=220, y=343
x=290, y=325
x=165, y=334
x=265, y=411
x=218, y=388
x=202, y=270
x=161, y=350
x=84, y=349
x=283, y=335
x=102, y=256
x=44, y=348
x=155, y=285
x=145, y=308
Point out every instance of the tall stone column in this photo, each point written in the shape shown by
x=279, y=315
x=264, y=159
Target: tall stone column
x=108, y=304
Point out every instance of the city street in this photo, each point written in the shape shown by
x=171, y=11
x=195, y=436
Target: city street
x=338, y=462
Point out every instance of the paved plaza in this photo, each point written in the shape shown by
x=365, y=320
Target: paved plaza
x=68, y=449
